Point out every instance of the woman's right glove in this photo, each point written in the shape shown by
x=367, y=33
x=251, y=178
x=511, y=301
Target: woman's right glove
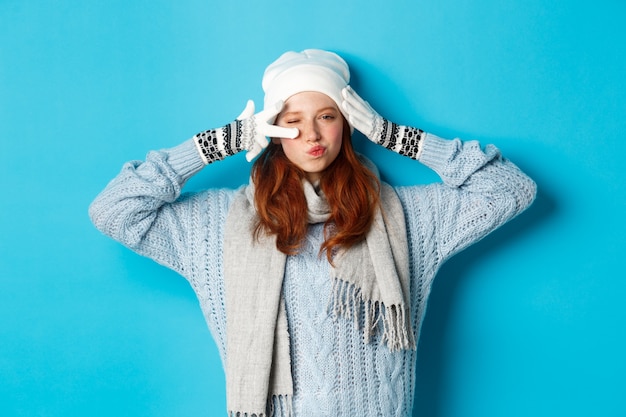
x=404, y=140
x=248, y=132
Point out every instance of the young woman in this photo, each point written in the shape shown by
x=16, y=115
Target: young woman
x=313, y=278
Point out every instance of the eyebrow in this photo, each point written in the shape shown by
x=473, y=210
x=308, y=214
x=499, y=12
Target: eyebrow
x=289, y=113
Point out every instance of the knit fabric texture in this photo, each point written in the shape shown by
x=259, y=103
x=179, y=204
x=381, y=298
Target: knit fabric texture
x=370, y=284
x=334, y=372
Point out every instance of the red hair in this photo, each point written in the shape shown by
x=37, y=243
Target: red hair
x=351, y=189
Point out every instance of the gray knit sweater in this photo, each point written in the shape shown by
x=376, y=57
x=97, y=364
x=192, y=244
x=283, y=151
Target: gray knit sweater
x=335, y=373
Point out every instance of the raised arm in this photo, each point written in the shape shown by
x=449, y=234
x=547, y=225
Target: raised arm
x=481, y=190
x=142, y=207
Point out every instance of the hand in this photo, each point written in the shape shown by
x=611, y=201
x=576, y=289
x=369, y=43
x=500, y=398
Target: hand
x=256, y=128
x=361, y=115
x=248, y=132
x=404, y=140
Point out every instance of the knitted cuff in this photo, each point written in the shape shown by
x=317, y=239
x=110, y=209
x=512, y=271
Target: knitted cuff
x=184, y=159
x=404, y=140
x=216, y=144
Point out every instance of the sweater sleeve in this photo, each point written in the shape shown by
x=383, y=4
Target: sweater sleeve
x=142, y=206
x=480, y=191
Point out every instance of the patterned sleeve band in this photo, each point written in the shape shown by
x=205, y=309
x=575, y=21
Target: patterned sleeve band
x=404, y=140
x=217, y=144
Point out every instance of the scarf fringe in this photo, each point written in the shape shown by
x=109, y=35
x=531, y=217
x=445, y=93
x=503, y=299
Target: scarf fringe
x=348, y=302
x=278, y=405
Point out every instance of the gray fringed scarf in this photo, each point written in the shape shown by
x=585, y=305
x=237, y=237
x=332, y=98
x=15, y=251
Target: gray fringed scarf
x=372, y=276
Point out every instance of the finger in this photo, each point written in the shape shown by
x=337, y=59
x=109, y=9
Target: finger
x=349, y=94
x=250, y=155
x=248, y=111
x=260, y=141
x=360, y=105
x=354, y=108
x=274, y=131
x=347, y=90
x=358, y=102
x=355, y=102
x=253, y=152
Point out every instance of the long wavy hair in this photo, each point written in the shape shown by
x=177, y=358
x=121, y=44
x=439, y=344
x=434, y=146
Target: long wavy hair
x=351, y=189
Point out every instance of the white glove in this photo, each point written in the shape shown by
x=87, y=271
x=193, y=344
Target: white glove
x=248, y=132
x=256, y=128
x=360, y=114
x=404, y=140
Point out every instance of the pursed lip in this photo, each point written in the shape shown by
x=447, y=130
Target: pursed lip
x=316, y=150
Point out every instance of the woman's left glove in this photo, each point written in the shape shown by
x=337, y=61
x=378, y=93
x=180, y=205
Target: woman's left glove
x=248, y=132
x=404, y=140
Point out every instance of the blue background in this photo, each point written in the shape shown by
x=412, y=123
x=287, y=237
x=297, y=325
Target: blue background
x=530, y=321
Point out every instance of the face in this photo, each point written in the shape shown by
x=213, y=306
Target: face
x=321, y=128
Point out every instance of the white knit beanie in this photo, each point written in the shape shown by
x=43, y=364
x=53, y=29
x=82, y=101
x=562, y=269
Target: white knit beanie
x=310, y=70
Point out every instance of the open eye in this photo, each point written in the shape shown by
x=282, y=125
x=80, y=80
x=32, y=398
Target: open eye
x=327, y=117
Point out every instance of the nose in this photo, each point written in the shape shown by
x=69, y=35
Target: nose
x=311, y=132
